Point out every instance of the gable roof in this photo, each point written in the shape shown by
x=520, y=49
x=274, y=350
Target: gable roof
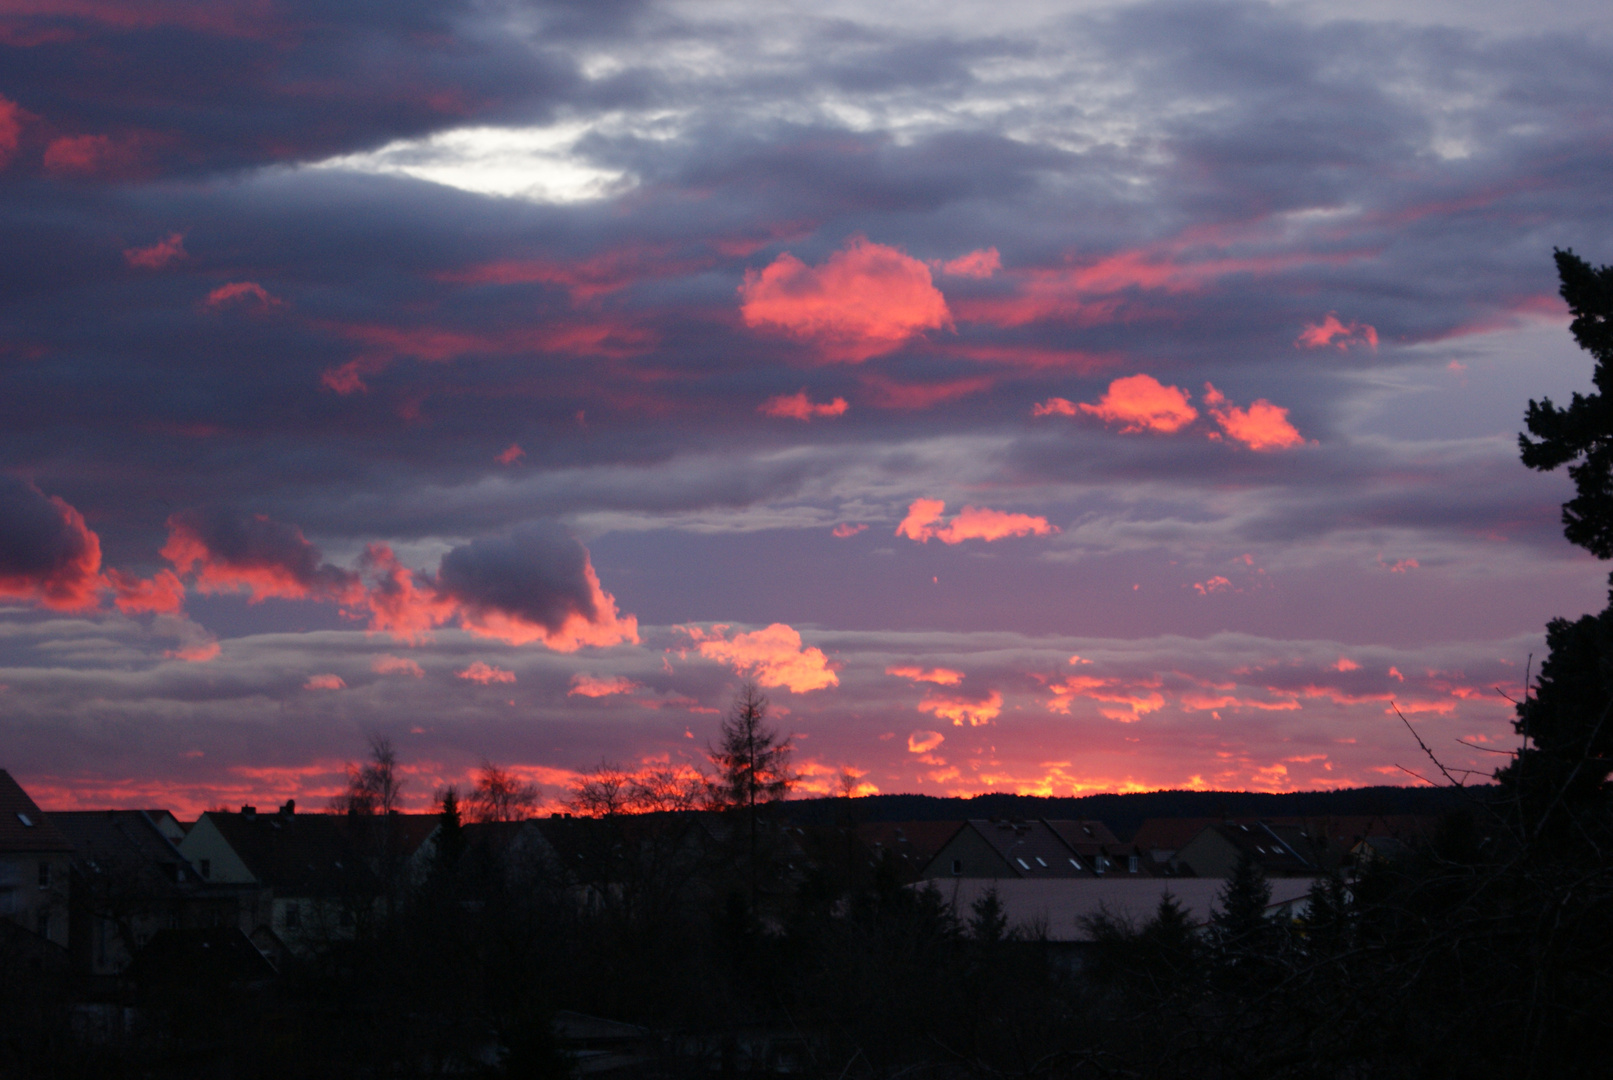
x=127, y=844
x=1087, y=837
x=1030, y=848
x=911, y=844
x=23, y=826
x=296, y=854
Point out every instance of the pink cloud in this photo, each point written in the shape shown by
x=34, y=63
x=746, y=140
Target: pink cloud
x=1215, y=584
x=887, y=393
x=846, y=529
x=774, y=656
x=78, y=153
x=1139, y=700
x=396, y=665
x=593, y=686
x=1054, y=406
x=48, y=555
x=961, y=710
x=1346, y=664
x=1340, y=335
x=971, y=523
x=1143, y=403
x=195, y=654
x=240, y=292
x=325, y=682
x=510, y=455
x=976, y=264
x=10, y=130
x=1262, y=426
x=922, y=742
x=798, y=407
x=163, y=594
x=486, y=674
x=260, y=557
x=158, y=255
x=939, y=676
x=867, y=299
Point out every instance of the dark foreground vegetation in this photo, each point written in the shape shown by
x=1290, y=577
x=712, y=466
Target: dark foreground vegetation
x=1485, y=952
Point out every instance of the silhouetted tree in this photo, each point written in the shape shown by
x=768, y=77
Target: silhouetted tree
x=1568, y=753
x=375, y=786
x=1241, y=918
x=604, y=792
x=753, y=762
x=988, y=921
x=450, y=832
x=501, y=796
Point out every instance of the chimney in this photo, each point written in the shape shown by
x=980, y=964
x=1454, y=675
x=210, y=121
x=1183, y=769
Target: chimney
x=249, y=812
x=289, y=809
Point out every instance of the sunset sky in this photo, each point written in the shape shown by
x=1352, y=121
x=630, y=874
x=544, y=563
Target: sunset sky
x=1047, y=397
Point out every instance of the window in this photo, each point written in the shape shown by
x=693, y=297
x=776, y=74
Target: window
x=1040, y=863
x=1131, y=864
x=293, y=915
x=206, y=866
x=1075, y=864
x=957, y=866
x=44, y=922
x=1023, y=864
x=27, y=822
x=44, y=875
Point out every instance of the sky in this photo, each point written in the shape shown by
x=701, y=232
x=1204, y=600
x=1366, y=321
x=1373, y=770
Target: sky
x=1054, y=398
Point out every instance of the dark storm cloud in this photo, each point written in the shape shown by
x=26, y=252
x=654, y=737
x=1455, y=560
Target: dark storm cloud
x=125, y=92
x=537, y=574
x=46, y=552
x=228, y=551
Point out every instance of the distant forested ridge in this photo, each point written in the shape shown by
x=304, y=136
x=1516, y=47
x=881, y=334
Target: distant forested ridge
x=1123, y=813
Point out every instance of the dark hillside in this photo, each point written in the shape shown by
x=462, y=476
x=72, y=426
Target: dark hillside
x=1123, y=813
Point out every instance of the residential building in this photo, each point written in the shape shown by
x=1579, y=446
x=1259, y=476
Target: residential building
x=130, y=881
x=35, y=865
x=1006, y=849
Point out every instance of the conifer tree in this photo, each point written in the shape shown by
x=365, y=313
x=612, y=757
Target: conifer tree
x=1241, y=917
x=1564, y=764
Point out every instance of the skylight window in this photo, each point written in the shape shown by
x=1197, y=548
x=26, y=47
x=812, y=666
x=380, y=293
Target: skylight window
x=27, y=821
x=1023, y=863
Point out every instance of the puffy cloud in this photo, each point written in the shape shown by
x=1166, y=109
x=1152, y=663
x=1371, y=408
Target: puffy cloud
x=847, y=529
x=1055, y=406
x=387, y=664
x=486, y=674
x=922, y=742
x=774, y=656
x=1332, y=332
x=1141, y=403
x=48, y=556
x=240, y=292
x=325, y=682
x=163, y=593
x=595, y=686
x=169, y=249
x=1218, y=583
x=976, y=264
x=229, y=553
x=939, y=676
x=971, y=523
x=510, y=454
x=962, y=710
x=798, y=406
x=401, y=602
x=867, y=299
x=1262, y=426
x=535, y=584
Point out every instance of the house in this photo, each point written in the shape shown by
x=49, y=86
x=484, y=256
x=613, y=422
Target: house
x=304, y=881
x=906, y=847
x=1324, y=842
x=1281, y=851
x=1100, y=849
x=1006, y=849
x=35, y=865
x=130, y=881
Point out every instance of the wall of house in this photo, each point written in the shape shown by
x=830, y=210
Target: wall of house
x=968, y=855
x=1209, y=854
x=34, y=891
x=223, y=865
